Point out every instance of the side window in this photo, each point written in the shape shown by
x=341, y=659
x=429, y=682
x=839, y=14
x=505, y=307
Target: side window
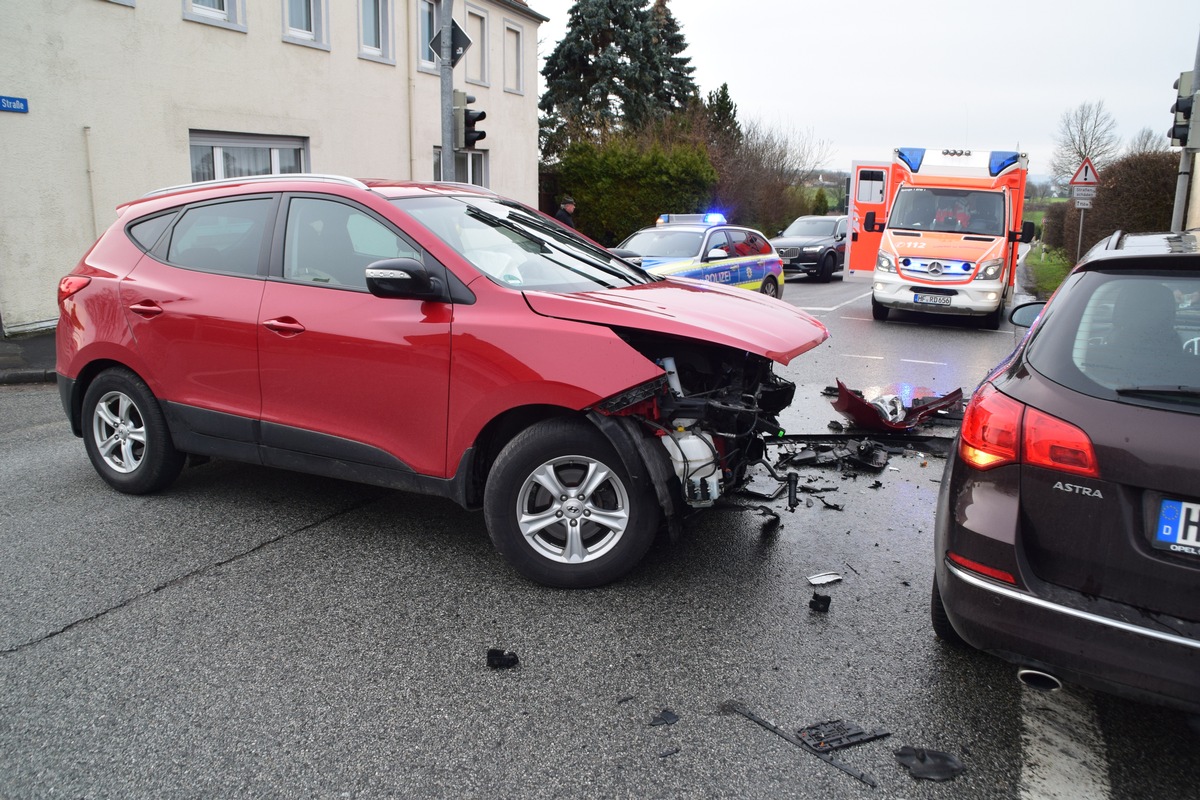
x=841, y=228
x=222, y=237
x=332, y=243
x=147, y=232
x=756, y=245
x=717, y=240
x=870, y=186
x=741, y=244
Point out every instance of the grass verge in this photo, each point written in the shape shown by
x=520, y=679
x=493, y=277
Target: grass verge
x=1047, y=268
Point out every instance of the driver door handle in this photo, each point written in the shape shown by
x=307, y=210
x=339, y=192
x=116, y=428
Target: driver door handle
x=284, y=325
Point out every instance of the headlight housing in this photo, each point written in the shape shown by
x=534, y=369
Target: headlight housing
x=990, y=270
x=885, y=262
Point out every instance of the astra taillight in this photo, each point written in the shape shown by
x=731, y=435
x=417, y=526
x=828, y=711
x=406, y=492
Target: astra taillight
x=998, y=430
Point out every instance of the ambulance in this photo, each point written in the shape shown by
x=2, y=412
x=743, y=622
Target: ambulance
x=939, y=231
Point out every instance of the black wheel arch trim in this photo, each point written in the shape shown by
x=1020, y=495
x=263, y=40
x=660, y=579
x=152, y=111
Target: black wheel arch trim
x=644, y=460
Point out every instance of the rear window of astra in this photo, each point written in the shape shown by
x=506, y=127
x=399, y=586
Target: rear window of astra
x=514, y=247
x=1129, y=336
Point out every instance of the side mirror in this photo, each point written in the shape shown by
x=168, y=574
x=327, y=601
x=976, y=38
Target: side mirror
x=716, y=254
x=402, y=277
x=1024, y=236
x=1024, y=315
x=839, y=236
x=870, y=225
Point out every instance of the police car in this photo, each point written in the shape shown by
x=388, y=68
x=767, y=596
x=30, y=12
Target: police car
x=705, y=247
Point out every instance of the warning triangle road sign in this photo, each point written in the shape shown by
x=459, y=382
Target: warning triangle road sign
x=1086, y=175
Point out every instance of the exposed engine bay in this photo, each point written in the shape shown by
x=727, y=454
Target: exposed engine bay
x=710, y=411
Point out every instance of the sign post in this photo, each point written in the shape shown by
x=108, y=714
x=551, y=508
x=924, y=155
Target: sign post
x=1083, y=188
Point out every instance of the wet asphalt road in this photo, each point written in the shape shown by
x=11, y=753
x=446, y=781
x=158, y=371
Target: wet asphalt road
x=254, y=633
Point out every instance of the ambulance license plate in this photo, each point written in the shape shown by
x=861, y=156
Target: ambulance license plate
x=932, y=299
x=1178, y=527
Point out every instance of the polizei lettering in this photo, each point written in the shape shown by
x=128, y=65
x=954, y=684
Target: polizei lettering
x=1073, y=489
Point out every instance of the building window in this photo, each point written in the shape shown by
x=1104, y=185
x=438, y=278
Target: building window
x=476, y=55
x=426, y=28
x=514, y=75
x=229, y=14
x=470, y=166
x=375, y=31
x=304, y=22
x=216, y=156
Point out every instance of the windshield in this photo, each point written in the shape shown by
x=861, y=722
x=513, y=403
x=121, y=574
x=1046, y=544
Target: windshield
x=515, y=247
x=957, y=210
x=665, y=243
x=812, y=226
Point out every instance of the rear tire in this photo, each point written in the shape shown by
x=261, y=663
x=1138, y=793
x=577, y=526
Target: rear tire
x=879, y=312
x=941, y=623
x=126, y=434
x=769, y=287
x=562, y=510
x=825, y=273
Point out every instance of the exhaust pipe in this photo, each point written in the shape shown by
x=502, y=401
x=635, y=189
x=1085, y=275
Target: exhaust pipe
x=1041, y=681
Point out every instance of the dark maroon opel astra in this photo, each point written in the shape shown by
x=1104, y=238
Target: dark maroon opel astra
x=1068, y=525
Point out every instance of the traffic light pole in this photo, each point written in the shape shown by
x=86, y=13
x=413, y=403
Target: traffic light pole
x=446, y=17
x=1187, y=158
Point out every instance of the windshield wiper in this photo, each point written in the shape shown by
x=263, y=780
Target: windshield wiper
x=1164, y=391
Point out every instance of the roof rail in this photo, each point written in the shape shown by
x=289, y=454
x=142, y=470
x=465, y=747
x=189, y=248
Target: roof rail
x=290, y=176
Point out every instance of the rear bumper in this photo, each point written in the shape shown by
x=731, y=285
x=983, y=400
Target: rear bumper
x=974, y=299
x=1084, y=647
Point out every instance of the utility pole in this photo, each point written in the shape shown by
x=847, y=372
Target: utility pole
x=446, y=17
x=1187, y=159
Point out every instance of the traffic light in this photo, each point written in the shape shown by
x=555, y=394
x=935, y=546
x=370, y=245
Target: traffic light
x=1186, y=88
x=465, y=119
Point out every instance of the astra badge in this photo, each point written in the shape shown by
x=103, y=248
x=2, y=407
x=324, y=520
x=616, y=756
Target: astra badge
x=1071, y=488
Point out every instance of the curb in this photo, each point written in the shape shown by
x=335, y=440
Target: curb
x=17, y=376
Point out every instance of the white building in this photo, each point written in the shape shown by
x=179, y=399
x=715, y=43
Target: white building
x=102, y=101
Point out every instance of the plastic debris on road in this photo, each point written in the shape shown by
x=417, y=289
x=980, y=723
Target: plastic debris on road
x=932, y=765
x=498, y=658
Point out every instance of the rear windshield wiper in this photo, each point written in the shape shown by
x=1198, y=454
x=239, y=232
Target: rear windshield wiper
x=1163, y=391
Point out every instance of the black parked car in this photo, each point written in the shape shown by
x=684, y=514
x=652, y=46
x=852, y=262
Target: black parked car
x=813, y=246
x=1068, y=520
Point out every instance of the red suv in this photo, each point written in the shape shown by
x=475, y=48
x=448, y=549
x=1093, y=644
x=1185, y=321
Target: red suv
x=432, y=338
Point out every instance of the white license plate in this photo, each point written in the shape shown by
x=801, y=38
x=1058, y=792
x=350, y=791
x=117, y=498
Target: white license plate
x=932, y=299
x=1178, y=527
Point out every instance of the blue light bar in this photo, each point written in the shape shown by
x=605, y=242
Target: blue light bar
x=912, y=156
x=714, y=218
x=1001, y=160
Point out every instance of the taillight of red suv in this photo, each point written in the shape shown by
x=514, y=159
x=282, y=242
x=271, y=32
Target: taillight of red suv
x=998, y=430
x=70, y=285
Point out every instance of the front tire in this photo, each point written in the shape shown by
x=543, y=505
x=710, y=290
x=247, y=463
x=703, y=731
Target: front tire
x=126, y=434
x=825, y=273
x=879, y=311
x=562, y=510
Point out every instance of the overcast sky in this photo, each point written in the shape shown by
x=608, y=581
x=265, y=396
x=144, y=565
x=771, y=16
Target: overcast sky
x=867, y=76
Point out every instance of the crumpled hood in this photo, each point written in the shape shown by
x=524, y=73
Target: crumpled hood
x=693, y=309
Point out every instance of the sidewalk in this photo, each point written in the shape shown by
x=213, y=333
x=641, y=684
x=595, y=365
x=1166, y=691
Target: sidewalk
x=27, y=359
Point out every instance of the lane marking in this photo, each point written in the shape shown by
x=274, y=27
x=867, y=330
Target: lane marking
x=932, y=363
x=834, y=308
x=852, y=355
x=1062, y=750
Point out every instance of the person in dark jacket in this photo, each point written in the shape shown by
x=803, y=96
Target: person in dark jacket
x=565, y=212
